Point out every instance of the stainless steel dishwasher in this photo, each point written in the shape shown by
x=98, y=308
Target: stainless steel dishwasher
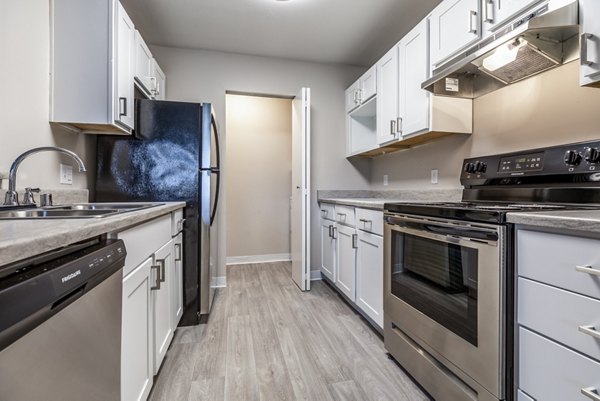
x=60, y=324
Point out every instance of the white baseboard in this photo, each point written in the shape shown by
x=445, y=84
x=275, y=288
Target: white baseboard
x=240, y=260
x=315, y=275
x=220, y=282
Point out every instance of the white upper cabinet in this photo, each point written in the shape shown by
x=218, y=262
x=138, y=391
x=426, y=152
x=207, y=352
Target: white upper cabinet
x=352, y=101
x=160, y=81
x=387, y=97
x=589, y=70
x=91, y=67
x=143, y=65
x=413, y=62
x=455, y=24
x=497, y=12
x=368, y=85
x=124, y=42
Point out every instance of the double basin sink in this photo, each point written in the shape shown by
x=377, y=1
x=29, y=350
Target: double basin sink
x=74, y=211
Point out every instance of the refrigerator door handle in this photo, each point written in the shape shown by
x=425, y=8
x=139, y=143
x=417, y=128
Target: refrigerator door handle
x=216, y=170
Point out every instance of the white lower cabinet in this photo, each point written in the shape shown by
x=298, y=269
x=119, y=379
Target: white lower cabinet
x=136, y=341
x=328, y=249
x=369, y=275
x=346, y=257
x=152, y=302
x=162, y=276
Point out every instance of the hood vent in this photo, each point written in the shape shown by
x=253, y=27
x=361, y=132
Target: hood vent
x=543, y=39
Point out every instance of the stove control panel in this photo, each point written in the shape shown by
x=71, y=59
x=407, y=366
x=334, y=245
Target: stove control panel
x=571, y=163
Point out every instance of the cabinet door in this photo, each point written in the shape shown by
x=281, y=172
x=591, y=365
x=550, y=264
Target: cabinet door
x=177, y=282
x=352, y=100
x=136, y=338
x=455, y=24
x=368, y=84
x=387, y=97
x=124, y=43
x=496, y=12
x=143, y=65
x=347, y=242
x=369, y=276
x=413, y=110
x=328, y=245
x=163, y=273
x=589, y=70
x=160, y=81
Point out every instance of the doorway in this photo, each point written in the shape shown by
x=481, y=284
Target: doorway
x=259, y=178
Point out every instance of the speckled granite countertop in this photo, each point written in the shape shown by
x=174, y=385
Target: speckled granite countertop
x=21, y=239
x=376, y=199
x=577, y=220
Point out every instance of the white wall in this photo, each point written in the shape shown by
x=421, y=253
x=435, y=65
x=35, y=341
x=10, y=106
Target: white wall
x=24, y=104
x=259, y=176
x=545, y=110
x=199, y=75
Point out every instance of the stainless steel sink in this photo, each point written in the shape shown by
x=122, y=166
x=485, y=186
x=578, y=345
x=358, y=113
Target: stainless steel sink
x=75, y=211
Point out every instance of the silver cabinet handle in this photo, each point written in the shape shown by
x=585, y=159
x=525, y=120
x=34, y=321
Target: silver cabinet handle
x=472, y=18
x=591, y=393
x=122, y=106
x=180, y=224
x=341, y=214
x=584, y=38
x=161, y=263
x=354, y=241
x=365, y=220
x=588, y=269
x=399, y=124
x=333, y=231
x=156, y=285
x=489, y=11
x=590, y=331
x=392, y=127
x=177, y=252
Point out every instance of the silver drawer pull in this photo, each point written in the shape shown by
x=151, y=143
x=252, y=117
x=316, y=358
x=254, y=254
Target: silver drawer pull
x=590, y=331
x=587, y=269
x=591, y=393
x=156, y=285
x=177, y=252
x=365, y=221
x=341, y=214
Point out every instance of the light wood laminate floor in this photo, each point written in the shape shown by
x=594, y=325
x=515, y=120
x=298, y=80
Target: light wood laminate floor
x=268, y=341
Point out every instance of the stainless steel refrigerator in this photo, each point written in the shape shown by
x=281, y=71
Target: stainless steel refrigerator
x=173, y=155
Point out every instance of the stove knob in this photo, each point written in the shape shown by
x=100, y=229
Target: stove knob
x=469, y=168
x=480, y=167
x=572, y=157
x=592, y=155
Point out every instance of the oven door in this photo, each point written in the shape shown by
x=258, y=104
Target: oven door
x=443, y=288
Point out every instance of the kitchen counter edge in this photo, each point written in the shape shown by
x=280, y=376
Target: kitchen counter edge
x=575, y=220
x=20, y=239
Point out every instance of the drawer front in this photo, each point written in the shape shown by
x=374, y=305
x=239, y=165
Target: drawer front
x=550, y=372
x=143, y=240
x=176, y=222
x=327, y=211
x=370, y=221
x=345, y=215
x=558, y=314
x=552, y=259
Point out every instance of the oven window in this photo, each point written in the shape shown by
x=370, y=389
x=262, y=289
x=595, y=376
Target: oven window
x=439, y=279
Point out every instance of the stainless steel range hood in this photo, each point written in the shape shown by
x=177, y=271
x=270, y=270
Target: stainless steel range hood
x=542, y=39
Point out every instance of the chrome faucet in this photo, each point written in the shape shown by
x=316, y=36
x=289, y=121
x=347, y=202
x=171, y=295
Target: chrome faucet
x=12, y=198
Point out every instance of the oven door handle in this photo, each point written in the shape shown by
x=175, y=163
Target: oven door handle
x=460, y=232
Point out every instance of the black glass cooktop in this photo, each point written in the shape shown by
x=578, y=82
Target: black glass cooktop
x=475, y=211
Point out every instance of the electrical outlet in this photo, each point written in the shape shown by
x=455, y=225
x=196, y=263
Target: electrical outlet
x=385, y=179
x=434, y=176
x=66, y=174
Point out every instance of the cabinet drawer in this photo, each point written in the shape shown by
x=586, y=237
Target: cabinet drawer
x=327, y=211
x=176, y=222
x=558, y=314
x=550, y=372
x=552, y=258
x=345, y=215
x=143, y=240
x=369, y=220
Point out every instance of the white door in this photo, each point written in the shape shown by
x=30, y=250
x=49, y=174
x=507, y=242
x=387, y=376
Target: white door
x=413, y=102
x=387, y=97
x=300, y=247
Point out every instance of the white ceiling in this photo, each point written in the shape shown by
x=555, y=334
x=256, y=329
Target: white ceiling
x=354, y=32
